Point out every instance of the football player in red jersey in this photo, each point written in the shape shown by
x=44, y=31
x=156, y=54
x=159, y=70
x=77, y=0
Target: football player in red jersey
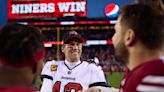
x=21, y=56
x=139, y=42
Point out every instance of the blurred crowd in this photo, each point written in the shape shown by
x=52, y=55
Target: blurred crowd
x=86, y=34
x=104, y=53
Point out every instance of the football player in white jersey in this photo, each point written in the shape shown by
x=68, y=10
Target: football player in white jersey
x=72, y=74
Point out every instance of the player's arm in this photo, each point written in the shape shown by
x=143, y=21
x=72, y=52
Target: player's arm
x=46, y=77
x=99, y=83
x=101, y=89
x=46, y=85
x=97, y=77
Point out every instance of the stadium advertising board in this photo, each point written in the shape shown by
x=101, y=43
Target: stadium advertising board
x=18, y=9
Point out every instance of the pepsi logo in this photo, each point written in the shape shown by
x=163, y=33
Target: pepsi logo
x=111, y=10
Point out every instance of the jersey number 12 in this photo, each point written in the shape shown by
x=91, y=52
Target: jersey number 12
x=68, y=87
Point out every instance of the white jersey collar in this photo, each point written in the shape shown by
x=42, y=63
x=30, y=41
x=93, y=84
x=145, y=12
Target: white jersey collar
x=72, y=64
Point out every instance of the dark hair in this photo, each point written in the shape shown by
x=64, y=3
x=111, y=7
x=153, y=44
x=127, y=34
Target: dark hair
x=18, y=41
x=147, y=23
x=155, y=4
x=149, y=1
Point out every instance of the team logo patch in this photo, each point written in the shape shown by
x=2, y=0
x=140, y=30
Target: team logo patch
x=54, y=67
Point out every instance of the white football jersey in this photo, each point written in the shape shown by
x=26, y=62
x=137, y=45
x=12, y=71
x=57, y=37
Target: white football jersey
x=57, y=77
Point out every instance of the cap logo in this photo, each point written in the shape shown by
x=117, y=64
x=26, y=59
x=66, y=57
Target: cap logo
x=73, y=33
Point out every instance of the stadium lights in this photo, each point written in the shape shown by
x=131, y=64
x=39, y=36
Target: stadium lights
x=85, y=43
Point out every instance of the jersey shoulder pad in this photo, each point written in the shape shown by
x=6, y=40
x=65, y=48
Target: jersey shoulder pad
x=94, y=67
x=53, y=62
x=53, y=65
x=50, y=67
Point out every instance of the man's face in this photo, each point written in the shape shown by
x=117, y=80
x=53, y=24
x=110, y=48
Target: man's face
x=72, y=50
x=121, y=52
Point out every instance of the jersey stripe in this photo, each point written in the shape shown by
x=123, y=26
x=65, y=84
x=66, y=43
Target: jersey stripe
x=148, y=88
x=46, y=76
x=99, y=84
x=154, y=79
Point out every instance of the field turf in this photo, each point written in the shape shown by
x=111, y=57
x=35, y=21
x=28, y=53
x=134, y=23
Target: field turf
x=115, y=78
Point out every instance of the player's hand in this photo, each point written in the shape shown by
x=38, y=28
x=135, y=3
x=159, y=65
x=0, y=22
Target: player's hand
x=92, y=89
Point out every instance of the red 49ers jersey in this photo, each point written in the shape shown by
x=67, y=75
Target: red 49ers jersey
x=148, y=77
x=58, y=78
